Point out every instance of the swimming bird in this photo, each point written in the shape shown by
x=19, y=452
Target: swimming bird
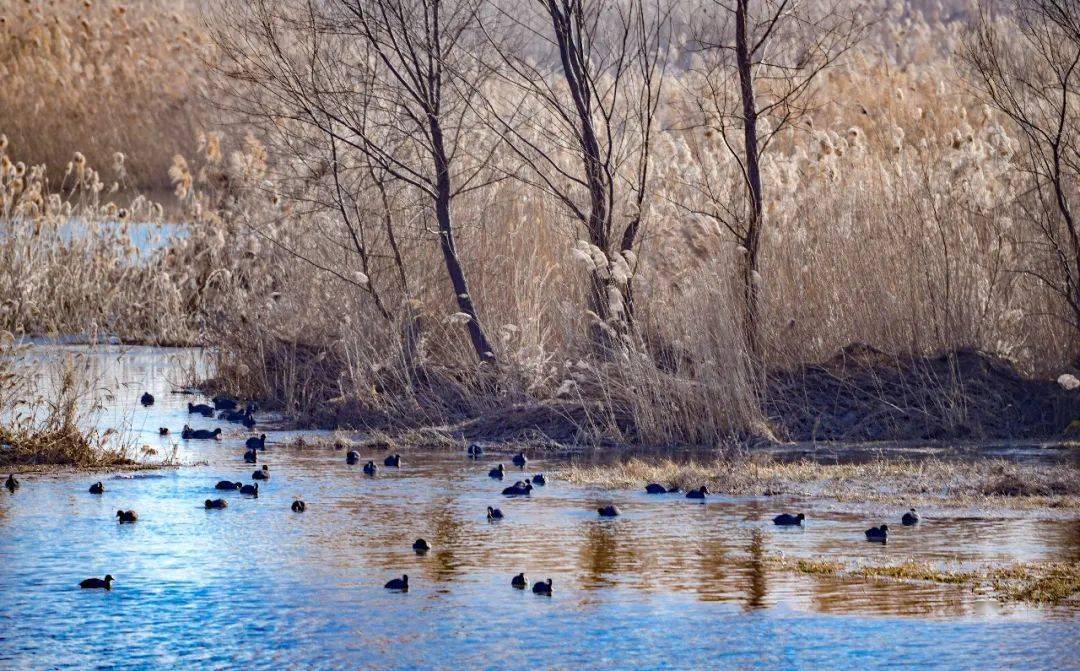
x=225, y=485
x=421, y=546
x=97, y=583
x=518, y=489
x=608, y=511
x=394, y=461
x=199, y=434
x=352, y=457
x=97, y=488
x=494, y=513
x=401, y=584
x=370, y=468
x=163, y=431
x=127, y=516
x=251, y=457
x=699, y=493
x=147, y=399
x=256, y=442
x=878, y=534
x=539, y=480
x=786, y=520
x=910, y=518
x=519, y=581
x=298, y=506
x=261, y=474
x=655, y=488
x=497, y=472
x=223, y=402
x=200, y=408
x=11, y=483
x=216, y=504
x=520, y=460
x=250, y=490
x=543, y=588
x=475, y=451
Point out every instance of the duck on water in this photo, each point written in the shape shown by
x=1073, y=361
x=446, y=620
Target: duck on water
x=518, y=489
x=199, y=434
x=878, y=534
x=97, y=583
x=656, y=488
x=200, y=409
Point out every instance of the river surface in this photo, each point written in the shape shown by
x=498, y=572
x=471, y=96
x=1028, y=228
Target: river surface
x=668, y=584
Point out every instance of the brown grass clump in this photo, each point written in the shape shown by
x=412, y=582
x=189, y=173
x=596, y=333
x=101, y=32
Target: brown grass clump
x=1042, y=583
x=885, y=480
x=51, y=428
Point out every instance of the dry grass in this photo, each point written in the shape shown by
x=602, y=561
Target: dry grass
x=50, y=426
x=1038, y=583
x=884, y=480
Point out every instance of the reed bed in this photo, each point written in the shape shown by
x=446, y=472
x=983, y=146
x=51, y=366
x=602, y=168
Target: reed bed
x=1039, y=582
x=893, y=220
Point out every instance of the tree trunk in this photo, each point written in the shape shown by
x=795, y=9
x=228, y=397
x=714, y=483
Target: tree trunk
x=479, y=340
x=752, y=241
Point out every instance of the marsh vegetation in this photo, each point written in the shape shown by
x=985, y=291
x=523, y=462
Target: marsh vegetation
x=641, y=238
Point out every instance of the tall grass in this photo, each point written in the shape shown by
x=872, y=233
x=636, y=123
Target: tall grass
x=891, y=212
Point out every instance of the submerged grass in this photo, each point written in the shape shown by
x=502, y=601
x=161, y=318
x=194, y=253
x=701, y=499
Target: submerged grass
x=988, y=481
x=1038, y=583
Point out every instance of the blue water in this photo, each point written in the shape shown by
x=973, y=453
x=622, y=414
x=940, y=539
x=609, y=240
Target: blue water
x=669, y=584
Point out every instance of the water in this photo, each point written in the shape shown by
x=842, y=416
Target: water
x=669, y=584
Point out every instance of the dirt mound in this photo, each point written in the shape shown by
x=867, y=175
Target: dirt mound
x=560, y=422
x=862, y=394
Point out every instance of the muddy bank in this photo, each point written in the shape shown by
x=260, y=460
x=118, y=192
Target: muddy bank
x=863, y=394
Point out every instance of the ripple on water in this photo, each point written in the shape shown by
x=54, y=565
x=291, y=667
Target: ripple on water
x=668, y=584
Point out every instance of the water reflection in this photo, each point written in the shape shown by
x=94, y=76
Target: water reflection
x=758, y=580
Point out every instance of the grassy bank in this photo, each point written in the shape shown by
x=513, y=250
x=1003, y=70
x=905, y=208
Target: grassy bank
x=981, y=482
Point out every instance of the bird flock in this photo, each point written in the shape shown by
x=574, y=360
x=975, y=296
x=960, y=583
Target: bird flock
x=227, y=409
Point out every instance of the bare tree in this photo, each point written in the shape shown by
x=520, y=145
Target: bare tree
x=371, y=90
x=1026, y=63
x=760, y=59
x=585, y=84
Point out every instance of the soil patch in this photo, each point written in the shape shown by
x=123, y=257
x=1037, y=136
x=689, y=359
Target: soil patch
x=863, y=394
